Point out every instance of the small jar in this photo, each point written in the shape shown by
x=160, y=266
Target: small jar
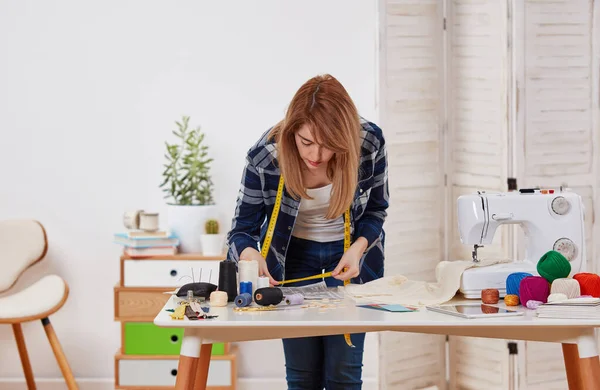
x=149, y=222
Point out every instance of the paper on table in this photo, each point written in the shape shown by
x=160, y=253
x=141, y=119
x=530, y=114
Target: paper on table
x=314, y=291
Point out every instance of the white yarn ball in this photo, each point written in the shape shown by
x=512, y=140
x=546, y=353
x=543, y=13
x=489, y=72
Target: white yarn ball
x=569, y=287
x=557, y=297
x=218, y=298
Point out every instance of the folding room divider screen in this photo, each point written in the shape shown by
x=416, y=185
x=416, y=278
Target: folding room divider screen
x=471, y=93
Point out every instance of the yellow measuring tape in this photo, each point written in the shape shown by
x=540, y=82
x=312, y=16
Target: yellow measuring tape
x=317, y=276
x=265, y=249
x=271, y=229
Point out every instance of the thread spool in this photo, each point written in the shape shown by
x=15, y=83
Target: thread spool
x=268, y=296
x=511, y=300
x=218, y=298
x=534, y=288
x=489, y=309
x=569, y=287
x=243, y=300
x=589, y=283
x=531, y=304
x=246, y=287
x=553, y=265
x=490, y=295
x=294, y=299
x=228, y=278
x=513, y=282
x=248, y=272
x=557, y=297
x=263, y=282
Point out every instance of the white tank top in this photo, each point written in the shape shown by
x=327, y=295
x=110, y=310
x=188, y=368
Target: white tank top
x=311, y=223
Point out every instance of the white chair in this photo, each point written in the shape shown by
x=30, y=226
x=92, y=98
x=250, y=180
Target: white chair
x=22, y=244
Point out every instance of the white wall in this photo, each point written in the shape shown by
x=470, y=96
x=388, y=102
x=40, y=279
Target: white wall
x=89, y=92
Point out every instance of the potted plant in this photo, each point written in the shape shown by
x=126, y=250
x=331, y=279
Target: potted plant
x=212, y=241
x=188, y=185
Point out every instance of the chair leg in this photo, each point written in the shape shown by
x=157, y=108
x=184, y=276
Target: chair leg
x=18, y=331
x=59, y=354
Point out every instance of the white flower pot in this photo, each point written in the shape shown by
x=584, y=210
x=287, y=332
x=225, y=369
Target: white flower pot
x=212, y=244
x=187, y=224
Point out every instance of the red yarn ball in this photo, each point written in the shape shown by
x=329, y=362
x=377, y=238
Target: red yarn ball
x=534, y=288
x=589, y=283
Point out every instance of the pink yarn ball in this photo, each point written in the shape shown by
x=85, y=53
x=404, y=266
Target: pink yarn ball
x=534, y=288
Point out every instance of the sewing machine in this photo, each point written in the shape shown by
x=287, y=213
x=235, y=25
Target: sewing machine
x=551, y=220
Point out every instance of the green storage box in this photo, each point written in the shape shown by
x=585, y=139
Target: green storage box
x=145, y=338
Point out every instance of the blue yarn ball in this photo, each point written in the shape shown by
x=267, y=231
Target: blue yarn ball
x=513, y=281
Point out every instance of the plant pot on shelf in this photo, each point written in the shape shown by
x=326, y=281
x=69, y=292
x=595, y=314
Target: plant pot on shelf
x=187, y=224
x=212, y=244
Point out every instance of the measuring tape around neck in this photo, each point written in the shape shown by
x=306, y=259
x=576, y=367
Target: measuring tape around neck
x=271, y=229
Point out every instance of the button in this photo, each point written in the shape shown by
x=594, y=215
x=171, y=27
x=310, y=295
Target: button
x=289, y=228
x=283, y=248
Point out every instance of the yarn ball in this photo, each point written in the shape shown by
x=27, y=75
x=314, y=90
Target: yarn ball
x=534, y=288
x=511, y=300
x=531, y=304
x=567, y=286
x=589, y=283
x=556, y=297
x=553, y=265
x=490, y=295
x=513, y=281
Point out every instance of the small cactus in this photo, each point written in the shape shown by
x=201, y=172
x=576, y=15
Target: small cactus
x=212, y=226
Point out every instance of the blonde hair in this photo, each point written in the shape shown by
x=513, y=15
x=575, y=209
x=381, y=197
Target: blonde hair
x=323, y=104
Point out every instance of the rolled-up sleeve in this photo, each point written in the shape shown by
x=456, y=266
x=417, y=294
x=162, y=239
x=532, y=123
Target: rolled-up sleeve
x=249, y=214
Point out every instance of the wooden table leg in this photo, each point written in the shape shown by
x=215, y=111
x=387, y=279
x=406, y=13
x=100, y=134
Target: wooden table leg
x=571, y=357
x=590, y=372
x=203, y=365
x=188, y=360
x=582, y=362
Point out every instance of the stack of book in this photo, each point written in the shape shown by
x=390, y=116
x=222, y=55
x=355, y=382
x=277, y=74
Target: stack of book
x=137, y=243
x=582, y=307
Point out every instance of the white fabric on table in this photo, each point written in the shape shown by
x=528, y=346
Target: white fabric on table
x=398, y=289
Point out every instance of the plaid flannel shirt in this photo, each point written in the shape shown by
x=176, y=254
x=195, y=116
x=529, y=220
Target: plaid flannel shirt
x=256, y=200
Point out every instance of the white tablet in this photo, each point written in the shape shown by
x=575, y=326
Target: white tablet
x=478, y=310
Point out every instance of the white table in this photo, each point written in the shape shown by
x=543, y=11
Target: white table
x=578, y=337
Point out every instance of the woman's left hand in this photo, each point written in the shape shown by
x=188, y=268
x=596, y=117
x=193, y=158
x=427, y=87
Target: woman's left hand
x=348, y=267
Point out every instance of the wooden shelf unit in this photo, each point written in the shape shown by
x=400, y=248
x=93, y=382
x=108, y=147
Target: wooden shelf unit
x=138, y=297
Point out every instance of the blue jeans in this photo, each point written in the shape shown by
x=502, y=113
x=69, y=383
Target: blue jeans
x=323, y=361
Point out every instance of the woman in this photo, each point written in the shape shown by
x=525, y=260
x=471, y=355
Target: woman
x=331, y=161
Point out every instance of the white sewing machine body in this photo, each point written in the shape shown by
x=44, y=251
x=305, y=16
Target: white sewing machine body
x=551, y=220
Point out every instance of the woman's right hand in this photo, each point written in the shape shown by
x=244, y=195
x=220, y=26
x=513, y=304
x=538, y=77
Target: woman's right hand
x=252, y=254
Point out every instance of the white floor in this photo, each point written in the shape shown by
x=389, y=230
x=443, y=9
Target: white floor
x=108, y=384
